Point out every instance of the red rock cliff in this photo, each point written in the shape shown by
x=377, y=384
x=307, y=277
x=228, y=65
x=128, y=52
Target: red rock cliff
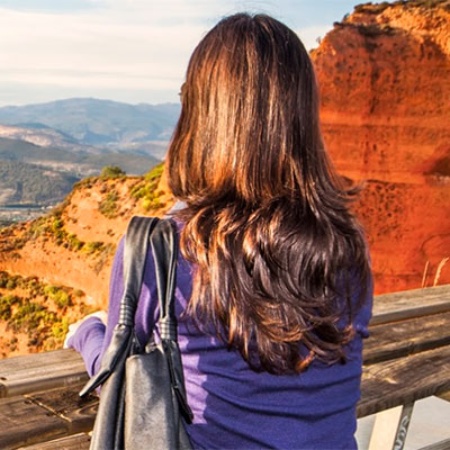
x=385, y=88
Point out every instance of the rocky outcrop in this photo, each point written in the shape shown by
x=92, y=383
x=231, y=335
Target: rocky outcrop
x=385, y=90
x=74, y=244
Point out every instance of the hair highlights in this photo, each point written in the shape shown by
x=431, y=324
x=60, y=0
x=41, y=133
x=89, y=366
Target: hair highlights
x=268, y=228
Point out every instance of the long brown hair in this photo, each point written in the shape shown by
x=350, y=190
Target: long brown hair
x=275, y=248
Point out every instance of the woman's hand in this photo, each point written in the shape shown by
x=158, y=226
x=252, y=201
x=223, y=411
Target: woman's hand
x=102, y=315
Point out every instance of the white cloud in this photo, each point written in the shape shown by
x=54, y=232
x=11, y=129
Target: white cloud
x=111, y=46
x=93, y=51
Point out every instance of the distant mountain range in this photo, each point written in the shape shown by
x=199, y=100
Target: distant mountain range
x=70, y=139
x=97, y=122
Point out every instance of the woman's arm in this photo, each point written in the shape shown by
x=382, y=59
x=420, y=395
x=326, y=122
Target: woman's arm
x=87, y=340
x=92, y=337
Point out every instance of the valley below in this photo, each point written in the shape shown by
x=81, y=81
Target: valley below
x=10, y=214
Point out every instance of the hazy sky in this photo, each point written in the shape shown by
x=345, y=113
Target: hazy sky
x=125, y=50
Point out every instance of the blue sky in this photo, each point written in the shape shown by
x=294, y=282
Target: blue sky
x=126, y=50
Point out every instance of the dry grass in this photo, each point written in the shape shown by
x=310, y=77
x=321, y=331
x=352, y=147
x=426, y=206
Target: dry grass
x=437, y=274
x=439, y=270
x=425, y=273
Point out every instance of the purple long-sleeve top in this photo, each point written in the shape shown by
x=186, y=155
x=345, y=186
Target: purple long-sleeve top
x=235, y=407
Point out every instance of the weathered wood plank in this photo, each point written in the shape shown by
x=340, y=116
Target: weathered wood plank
x=23, y=422
x=404, y=380
x=40, y=371
x=393, y=340
x=79, y=441
x=66, y=403
x=413, y=303
x=41, y=417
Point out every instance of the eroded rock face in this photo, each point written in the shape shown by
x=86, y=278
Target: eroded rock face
x=385, y=106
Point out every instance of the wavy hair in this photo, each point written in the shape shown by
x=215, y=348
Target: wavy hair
x=275, y=248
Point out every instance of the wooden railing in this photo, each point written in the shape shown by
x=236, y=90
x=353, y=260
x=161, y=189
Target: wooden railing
x=406, y=358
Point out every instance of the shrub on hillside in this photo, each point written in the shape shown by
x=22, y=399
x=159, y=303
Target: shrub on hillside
x=109, y=207
x=112, y=172
x=39, y=312
x=146, y=189
x=59, y=296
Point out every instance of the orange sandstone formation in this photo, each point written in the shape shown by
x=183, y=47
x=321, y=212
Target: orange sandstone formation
x=385, y=88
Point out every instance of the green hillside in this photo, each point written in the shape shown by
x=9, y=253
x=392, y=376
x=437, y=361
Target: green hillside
x=22, y=183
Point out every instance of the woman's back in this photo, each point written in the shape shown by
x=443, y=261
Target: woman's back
x=237, y=407
x=277, y=291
